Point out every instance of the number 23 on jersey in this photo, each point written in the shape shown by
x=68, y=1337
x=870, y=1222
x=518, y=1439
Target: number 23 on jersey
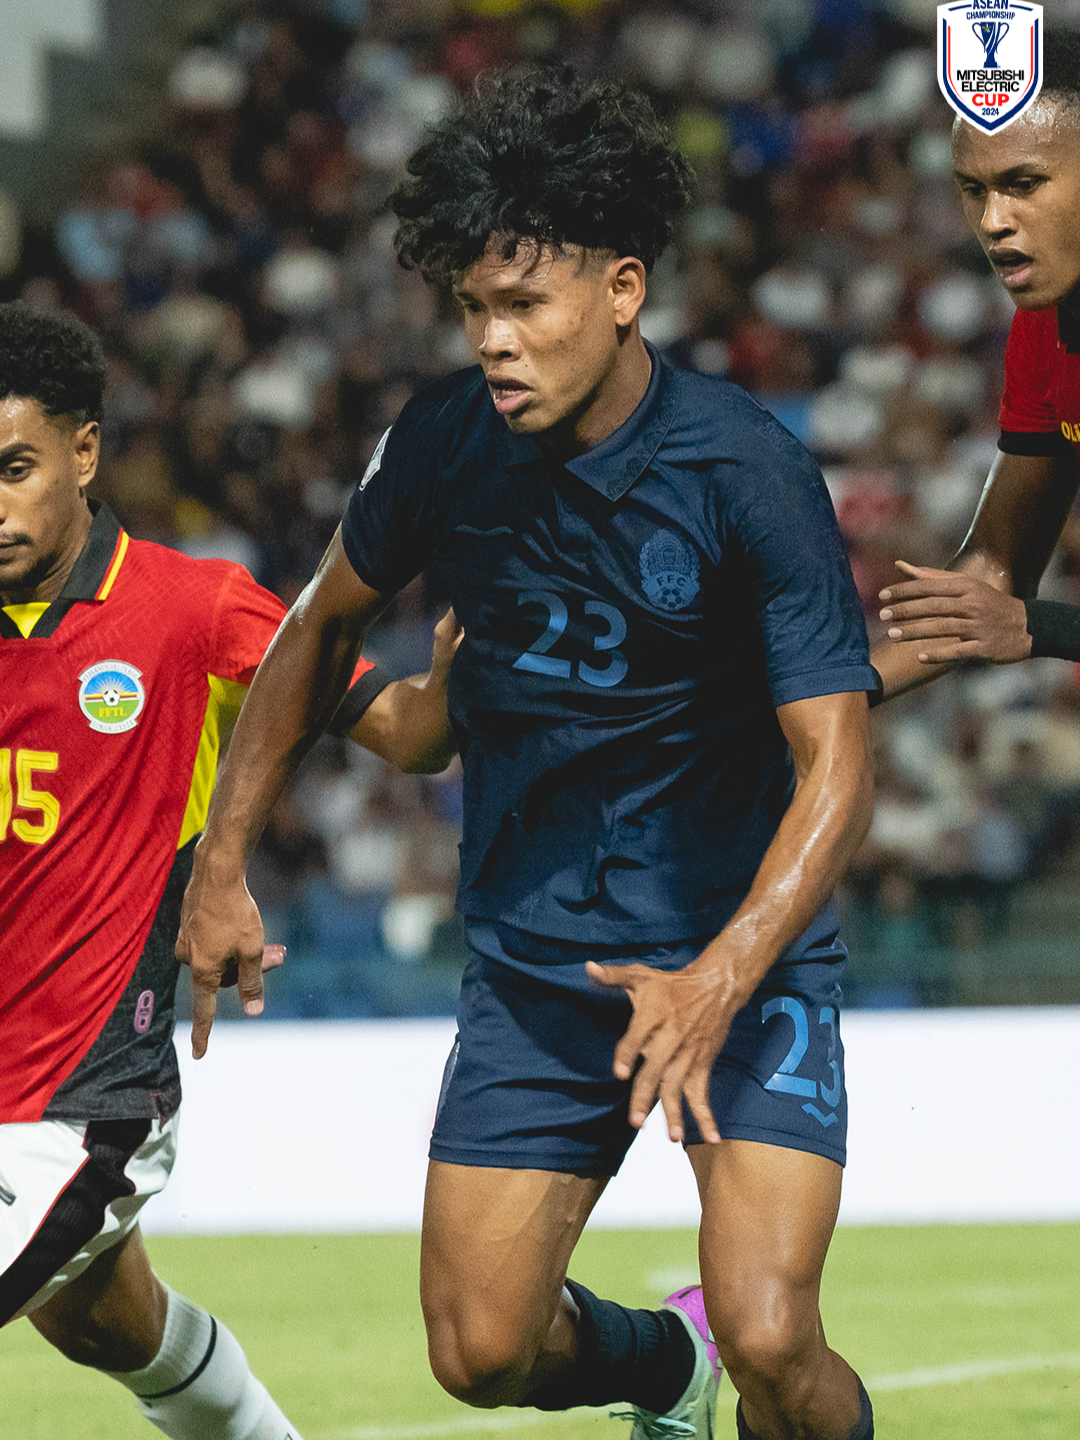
x=537, y=660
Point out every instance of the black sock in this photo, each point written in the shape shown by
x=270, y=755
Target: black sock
x=864, y=1430
x=644, y=1357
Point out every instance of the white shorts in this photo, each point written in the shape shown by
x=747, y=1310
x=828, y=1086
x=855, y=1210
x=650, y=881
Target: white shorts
x=70, y=1190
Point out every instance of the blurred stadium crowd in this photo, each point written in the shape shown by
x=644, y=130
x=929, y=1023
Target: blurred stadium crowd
x=261, y=337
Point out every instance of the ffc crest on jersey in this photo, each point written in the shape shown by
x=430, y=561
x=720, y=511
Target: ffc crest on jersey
x=669, y=571
x=990, y=60
x=111, y=696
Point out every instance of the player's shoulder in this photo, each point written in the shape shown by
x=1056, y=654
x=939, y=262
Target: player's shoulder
x=151, y=558
x=443, y=408
x=447, y=422
x=716, y=423
x=1035, y=330
x=194, y=584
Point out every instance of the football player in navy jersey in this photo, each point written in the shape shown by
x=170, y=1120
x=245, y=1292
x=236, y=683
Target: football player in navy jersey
x=660, y=703
x=1020, y=191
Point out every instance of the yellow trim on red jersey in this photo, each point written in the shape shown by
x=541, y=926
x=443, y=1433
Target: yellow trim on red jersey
x=222, y=707
x=26, y=616
x=114, y=567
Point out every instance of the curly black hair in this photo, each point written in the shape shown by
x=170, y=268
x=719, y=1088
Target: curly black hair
x=53, y=359
x=1061, y=66
x=546, y=158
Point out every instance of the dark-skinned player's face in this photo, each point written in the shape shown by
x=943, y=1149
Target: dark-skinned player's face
x=547, y=328
x=1020, y=190
x=46, y=464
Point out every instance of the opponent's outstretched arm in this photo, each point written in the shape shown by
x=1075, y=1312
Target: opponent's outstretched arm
x=296, y=689
x=975, y=610
x=681, y=1018
x=407, y=723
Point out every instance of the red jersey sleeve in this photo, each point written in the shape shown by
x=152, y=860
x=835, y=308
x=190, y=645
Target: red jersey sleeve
x=246, y=619
x=1027, y=405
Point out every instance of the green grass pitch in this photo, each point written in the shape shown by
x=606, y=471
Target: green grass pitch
x=971, y=1333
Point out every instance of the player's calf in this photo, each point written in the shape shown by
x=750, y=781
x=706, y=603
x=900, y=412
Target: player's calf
x=864, y=1429
x=791, y=1385
x=595, y=1353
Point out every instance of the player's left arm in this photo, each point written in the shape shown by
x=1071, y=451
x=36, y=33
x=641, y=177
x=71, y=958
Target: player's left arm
x=681, y=1019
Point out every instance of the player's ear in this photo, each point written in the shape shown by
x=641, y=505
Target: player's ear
x=87, y=444
x=627, y=289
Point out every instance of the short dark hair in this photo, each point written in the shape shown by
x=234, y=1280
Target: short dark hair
x=546, y=158
x=1061, y=65
x=53, y=359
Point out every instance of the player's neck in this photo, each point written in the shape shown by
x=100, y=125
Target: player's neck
x=45, y=585
x=611, y=405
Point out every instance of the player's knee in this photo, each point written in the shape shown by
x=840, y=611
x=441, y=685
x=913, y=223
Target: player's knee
x=477, y=1364
x=767, y=1348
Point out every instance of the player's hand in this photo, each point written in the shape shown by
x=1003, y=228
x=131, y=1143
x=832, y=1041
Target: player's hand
x=680, y=1021
x=957, y=616
x=221, y=939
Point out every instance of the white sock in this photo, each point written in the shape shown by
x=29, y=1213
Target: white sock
x=199, y=1385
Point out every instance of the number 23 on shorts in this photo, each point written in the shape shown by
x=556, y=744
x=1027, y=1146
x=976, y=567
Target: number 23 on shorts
x=785, y=1080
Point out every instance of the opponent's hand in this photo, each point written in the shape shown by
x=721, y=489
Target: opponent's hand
x=221, y=939
x=958, y=616
x=680, y=1022
x=448, y=636
x=273, y=956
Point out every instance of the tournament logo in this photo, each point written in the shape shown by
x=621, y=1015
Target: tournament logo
x=111, y=696
x=990, y=60
x=669, y=571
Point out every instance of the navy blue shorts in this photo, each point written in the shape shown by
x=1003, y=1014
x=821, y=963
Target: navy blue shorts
x=528, y=1084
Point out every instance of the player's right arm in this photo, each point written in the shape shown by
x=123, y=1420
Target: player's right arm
x=975, y=610
x=297, y=688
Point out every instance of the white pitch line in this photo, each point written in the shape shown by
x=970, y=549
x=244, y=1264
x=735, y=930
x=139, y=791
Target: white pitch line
x=972, y=1370
x=904, y=1380
x=467, y=1425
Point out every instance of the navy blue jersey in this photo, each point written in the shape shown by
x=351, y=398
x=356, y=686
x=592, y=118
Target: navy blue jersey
x=633, y=618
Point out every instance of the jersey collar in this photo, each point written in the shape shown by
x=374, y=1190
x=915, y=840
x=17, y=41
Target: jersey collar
x=618, y=462
x=91, y=577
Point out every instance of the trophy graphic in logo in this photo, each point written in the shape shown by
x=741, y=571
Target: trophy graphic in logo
x=991, y=33
x=990, y=59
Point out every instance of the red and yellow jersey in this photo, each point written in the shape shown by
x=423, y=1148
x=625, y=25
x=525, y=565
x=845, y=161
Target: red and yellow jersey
x=1040, y=407
x=113, y=702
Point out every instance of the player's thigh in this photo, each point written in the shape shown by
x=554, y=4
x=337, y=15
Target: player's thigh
x=529, y=1084
x=495, y=1249
x=112, y=1315
x=767, y=1217
x=69, y=1192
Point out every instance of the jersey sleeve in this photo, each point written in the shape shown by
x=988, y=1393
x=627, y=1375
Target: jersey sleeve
x=367, y=686
x=387, y=531
x=1029, y=424
x=246, y=619
x=808, y=611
